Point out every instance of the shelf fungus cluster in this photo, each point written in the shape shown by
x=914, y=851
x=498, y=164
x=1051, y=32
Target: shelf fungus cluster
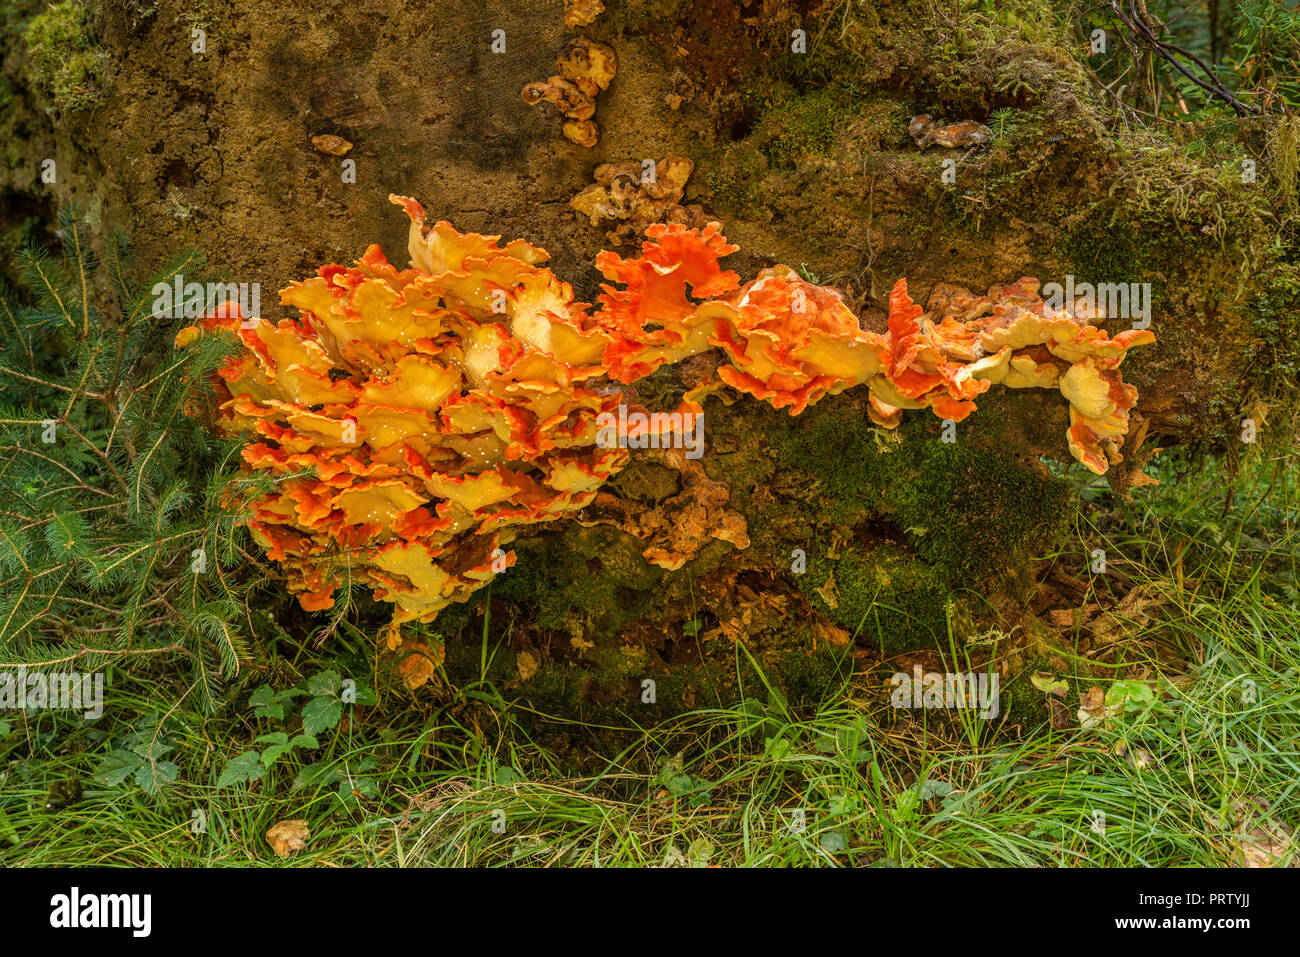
x=581, y=13
x=584, y=69
x=1021, y=341
x=790, y=342
x=416, y=420
x=630, y=196
x=435, y=409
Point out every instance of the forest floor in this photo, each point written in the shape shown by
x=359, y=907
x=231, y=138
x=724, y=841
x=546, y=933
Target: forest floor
x=1196, y=762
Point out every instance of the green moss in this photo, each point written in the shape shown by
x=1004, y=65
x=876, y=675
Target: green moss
x=814, y=670
x=64, y=62
x=735, y=178
x=10, y=123
x=1101, y=252
x=794, y=127
x=1274, y=349
x=640, y=16
x=18, y=235
x=977, y=513
x=841, y=47
x=1022, y=703
x=883, y=595
x=972, y=512
x=819, y=447
x=578, y=581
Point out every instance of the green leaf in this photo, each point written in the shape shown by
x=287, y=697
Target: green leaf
x=364, y=694
x=842, y=803
x=116, y=767
x=324, y=772
x=929, y=790
x=905, y=804
x=362, y=786
x=246, y=767
x=148, y=746
x=506, y=775
x=834, y=842
x=1129, y=695
x=274, y=753
x=268, y=703
x=1045, y=682
x=776, y=748
x=153, y=775
x=679, y=784
x=324, y=684
x=321, y=714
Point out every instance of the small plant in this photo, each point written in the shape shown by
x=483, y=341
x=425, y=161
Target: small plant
x=1003, y=121
x=140, y=756
x=326, y=695
x=118, y=532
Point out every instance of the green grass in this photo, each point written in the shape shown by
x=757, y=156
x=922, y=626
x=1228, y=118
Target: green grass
x=1204, y=774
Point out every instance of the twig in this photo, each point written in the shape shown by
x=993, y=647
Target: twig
x=1136, y=22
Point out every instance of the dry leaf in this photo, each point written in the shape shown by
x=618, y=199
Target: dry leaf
x=1260, y=849
x=828, y=592
x=1060, y=714
x=1267, y=843
x=832, y=634
x=1092, y=707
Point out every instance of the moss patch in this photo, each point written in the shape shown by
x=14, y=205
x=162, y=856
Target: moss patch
x=883, y=596
x=795, y=127
x=972, y=512
x=64, y=61
x=579, y=582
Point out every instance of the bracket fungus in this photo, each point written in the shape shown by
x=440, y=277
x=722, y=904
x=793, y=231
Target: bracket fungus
x=790, y=342
x=585, y=68
x=581, y=13
x=634, y=195
x=674, y=533
x=415, y=420
x=925, y=132
x=331, y=144
x=438, y=408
